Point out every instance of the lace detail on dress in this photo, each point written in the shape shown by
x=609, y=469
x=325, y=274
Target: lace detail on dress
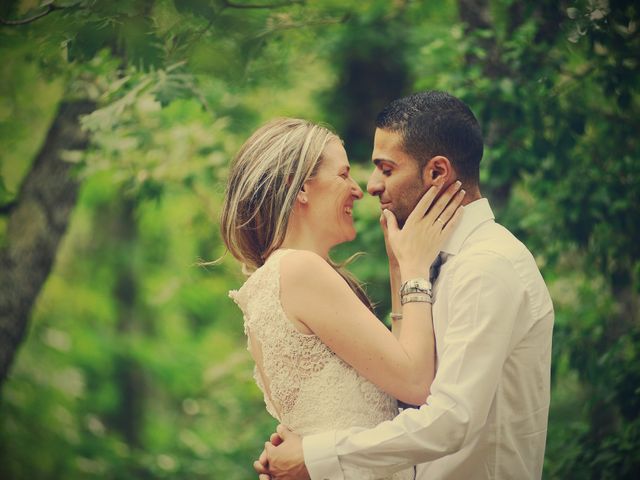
x=305, y=385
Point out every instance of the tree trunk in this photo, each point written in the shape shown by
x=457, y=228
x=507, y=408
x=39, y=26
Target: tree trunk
x=37, y=222
x=129, y=375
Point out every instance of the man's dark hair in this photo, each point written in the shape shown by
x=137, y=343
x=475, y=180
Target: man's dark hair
x=437, y=123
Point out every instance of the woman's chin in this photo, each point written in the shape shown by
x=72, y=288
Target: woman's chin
x=346, y=234
x=349, y=236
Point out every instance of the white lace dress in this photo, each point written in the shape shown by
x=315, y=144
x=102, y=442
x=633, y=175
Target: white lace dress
x=306, y=386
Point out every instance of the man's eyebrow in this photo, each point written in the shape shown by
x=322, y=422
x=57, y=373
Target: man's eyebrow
x=378, y=161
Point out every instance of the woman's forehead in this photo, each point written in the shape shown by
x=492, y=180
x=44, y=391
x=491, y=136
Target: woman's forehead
x=334, y=155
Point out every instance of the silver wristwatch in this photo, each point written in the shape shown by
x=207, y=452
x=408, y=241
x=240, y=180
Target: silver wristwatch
x=416, y=285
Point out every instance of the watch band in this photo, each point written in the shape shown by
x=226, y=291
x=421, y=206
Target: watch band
x=416, y=297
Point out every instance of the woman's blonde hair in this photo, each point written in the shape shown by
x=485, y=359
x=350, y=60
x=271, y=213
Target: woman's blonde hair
x=264, y=180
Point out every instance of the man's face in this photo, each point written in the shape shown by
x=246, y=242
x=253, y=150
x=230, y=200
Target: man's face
x=396, y=178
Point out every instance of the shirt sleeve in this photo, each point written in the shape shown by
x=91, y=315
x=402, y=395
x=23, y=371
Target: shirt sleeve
x=483, y=302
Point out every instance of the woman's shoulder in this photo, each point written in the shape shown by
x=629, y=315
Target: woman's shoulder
x=294, y=257
x=304, y=267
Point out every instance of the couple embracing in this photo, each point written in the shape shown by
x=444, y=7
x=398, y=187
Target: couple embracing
x=470, y=344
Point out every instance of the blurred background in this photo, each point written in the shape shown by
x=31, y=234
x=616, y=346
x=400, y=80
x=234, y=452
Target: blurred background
x=121, y=358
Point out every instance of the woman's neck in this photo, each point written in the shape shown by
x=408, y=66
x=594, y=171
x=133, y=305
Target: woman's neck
x=300, y=237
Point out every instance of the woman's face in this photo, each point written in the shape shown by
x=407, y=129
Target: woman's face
x=331, y=194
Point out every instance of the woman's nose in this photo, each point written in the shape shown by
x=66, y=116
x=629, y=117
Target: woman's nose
x=357, y=191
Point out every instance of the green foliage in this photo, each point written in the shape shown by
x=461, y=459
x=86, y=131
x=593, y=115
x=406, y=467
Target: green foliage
x=134, y=382
x=556, y=90
x=135, y=365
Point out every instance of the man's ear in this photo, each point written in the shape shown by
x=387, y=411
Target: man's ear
x=438, y=171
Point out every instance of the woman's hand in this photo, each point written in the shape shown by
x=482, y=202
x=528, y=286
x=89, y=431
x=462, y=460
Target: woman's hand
x=393, y=261
x=418, y=243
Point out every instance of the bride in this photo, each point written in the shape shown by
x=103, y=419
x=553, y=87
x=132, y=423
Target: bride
x=322, y=359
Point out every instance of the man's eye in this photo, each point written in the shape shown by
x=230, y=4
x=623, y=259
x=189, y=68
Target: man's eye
x=344, y=175
x=386, y=172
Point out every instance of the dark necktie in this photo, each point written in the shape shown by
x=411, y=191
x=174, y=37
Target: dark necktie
x=434, y=270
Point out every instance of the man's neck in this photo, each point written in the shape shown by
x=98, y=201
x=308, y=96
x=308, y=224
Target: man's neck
x=472, y=194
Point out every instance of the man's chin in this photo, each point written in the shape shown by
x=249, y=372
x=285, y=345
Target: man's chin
x=400, y=218
x=401, y=221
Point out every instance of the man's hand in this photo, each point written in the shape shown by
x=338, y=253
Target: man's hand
x=262, y=464
x=282, y=459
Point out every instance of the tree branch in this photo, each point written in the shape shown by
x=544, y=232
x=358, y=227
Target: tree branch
x=23, y=21
x=229, y=4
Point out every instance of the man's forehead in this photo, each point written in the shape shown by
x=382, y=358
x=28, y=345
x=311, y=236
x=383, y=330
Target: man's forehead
x=387, y=147
x=387, y=138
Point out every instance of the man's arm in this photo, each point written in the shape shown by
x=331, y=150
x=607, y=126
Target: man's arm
x=483, y=303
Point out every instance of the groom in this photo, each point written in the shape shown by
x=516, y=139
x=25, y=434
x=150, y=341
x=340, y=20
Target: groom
x=486, y=415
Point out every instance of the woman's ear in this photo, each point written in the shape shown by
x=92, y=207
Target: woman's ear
x=302, y=197
x=438, y=171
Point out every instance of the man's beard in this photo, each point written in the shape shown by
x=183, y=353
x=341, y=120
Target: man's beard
x=402, y=216
x=407, y=206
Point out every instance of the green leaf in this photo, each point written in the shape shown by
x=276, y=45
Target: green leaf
x=201, y=8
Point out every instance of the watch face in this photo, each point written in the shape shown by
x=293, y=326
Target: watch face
x=419, y=285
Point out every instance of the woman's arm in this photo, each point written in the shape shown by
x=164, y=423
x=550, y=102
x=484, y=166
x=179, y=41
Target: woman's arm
x=396, y=309
x=394, y=281
x=314, y=294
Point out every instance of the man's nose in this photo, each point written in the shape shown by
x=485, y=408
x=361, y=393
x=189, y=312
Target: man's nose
x=375, y=185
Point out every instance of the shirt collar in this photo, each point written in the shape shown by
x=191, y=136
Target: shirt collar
x=475, y=214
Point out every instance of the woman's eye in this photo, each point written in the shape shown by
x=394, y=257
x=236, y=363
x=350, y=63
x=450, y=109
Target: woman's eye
x=344, y=175
x=386, y=172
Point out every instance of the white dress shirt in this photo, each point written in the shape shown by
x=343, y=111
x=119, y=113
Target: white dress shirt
x=486, y=415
